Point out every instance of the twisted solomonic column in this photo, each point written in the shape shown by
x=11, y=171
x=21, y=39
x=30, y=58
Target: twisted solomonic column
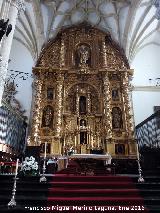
x=36, y=117
x=59, y=104
x=127, y=104
x=107, y=106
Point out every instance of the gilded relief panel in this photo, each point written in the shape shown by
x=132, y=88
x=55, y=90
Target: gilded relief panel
x=50, y=57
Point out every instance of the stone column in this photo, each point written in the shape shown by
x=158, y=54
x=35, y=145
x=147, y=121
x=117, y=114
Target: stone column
x=127, y=105
x=15, y=7
x=59, y=102
x=107, y=106
x=88, y=101
x=4, y=8
x=1, y=1
x=36, y=116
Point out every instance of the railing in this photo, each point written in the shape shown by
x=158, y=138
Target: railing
x=12, y=130
x=148, y=132
x=148, y=139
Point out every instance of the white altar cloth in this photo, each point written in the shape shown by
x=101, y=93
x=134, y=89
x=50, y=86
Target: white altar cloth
x=107, y=157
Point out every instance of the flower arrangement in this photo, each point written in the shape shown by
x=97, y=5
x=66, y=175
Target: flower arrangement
x=29, y=166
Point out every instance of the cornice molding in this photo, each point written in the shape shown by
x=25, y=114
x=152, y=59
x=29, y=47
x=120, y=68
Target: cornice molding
x=146, y=88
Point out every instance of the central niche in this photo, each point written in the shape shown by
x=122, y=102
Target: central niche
x=82, y=99
x=83, y=56
x=82, y=105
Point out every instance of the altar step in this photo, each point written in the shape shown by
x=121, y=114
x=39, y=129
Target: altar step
x=71, y=190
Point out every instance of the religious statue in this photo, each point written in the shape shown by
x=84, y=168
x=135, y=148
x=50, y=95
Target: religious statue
x=115, y=95
x=82, y=124
x=50, y=93
x=117, y=118
x=47, y=118
x=84, y=54
x=120, y=149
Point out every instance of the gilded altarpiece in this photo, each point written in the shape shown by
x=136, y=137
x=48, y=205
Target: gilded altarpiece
x=81, y=95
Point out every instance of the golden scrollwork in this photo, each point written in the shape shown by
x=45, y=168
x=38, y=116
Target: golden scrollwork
x=91, y=44
x=50, y=57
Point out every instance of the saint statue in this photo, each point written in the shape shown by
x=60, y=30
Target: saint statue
x=117, y=118
x=115, y=95
x=47, y=118
x=82, y=124
x=84, y=54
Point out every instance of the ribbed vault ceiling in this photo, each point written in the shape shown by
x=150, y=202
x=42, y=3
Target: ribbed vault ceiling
x=132, y=23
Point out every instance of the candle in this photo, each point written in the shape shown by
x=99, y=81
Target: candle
x=88, y=138
x=75, y=140
x=98, y=140
x=64, y=140
x=16, y=172
x=137, y=152
x=45, y=149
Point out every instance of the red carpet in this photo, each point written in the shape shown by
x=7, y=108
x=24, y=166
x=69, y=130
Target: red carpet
x=82, y=192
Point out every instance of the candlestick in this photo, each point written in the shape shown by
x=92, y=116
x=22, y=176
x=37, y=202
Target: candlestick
x=16, y=167
x=12, y=202
x=140, y=179
x=43, y=178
